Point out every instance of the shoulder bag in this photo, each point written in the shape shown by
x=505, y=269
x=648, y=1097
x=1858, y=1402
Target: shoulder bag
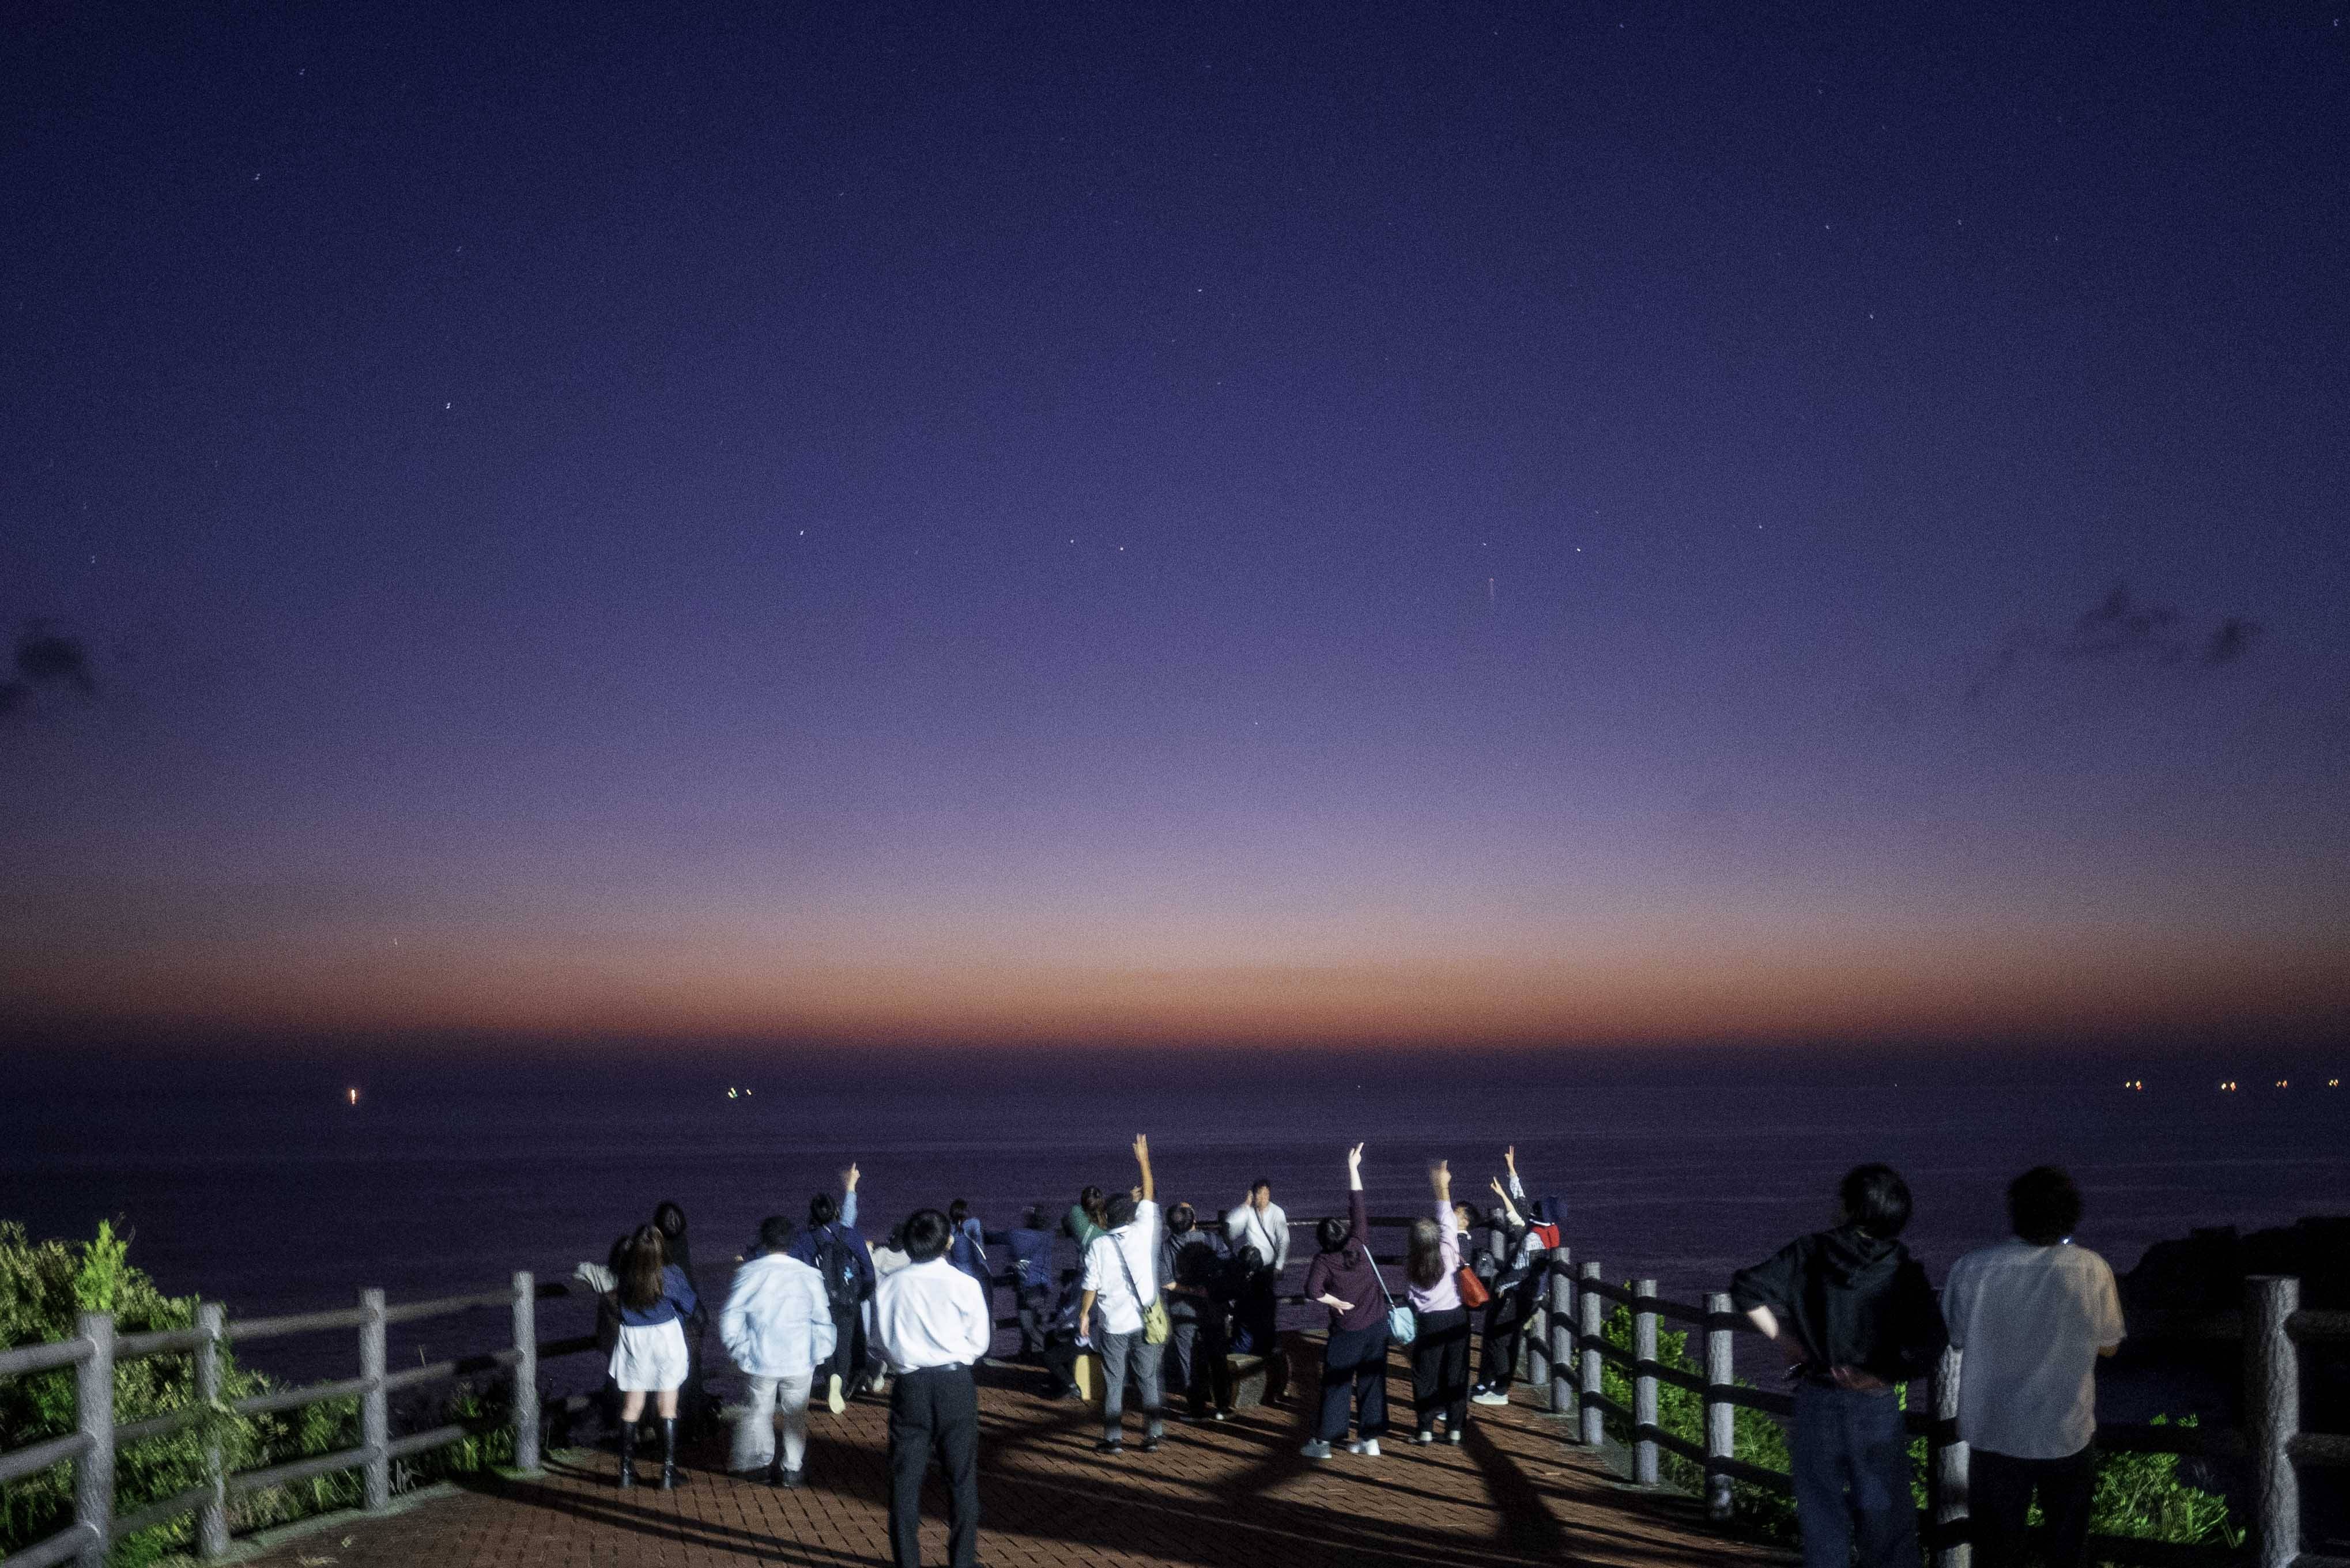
x=1403, y=1323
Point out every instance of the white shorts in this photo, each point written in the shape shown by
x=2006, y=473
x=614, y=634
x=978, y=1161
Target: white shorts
x=649, y=1360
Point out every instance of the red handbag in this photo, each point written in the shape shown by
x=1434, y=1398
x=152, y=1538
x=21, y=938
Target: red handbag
x=1473, y=1293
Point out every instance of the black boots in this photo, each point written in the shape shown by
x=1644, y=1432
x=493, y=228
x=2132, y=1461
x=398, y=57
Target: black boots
x=669, y=1453
x=628, y=1455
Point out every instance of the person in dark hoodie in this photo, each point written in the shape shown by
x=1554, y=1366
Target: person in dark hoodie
x=1853, y=1311
x=1028, y=1252
x=831, y=1246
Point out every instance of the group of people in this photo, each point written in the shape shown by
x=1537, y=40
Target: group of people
x=1857, y=1320
x=815, y=1305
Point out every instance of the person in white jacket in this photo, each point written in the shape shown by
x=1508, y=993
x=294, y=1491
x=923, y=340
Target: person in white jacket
x=778, y=1326
x=1259, y=1222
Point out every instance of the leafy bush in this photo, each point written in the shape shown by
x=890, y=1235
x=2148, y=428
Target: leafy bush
x=2138, y=1495
x=43, y=1284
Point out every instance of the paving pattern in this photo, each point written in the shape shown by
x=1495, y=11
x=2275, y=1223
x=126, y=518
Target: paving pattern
x=1234, y=1494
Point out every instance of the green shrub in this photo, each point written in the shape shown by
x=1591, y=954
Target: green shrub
x=2138, y=1495
x=43, y=1284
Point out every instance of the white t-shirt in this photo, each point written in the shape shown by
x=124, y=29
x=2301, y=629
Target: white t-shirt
x=1120, y=1311
x=2030, y=1321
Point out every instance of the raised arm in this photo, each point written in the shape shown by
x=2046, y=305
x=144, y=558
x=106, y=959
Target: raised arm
x=1448, y=1240
x=1358, y=1223
x=1142, y=1158
x=1510, y=1158
x=1507, y=1206
x=848, y=1196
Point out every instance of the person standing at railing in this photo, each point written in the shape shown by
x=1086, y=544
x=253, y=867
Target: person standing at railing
x=1439, y=1351
x=1342, y=1278
x=778, y=1327
x=1086, y=1219
x=2033, y=1315
x=1121, y=1278
x=931, y=1324
x=1852, y=1311
x=1191, y=1264
x=1507, y=1269
x=697, y=1409
x=650, y=1358
x=1262, y=1224
x=831, y=1246
x=1028, y=1248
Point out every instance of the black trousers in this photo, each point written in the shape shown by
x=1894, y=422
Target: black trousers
x=1060, y=1361
x=934, y=1412
x=1355, y=1370
x=848, y=1352
x=1196, y=1366
x=1999, y=1500
x=1440, y=1369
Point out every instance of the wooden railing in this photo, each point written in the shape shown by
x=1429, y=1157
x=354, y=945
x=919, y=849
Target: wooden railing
x=2273, y=1327
x=96, y=1349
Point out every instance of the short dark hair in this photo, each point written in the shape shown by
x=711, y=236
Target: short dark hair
x=1259, y=1185
x=1181, y=1219
x=823, y=1209
x=1331, y=1231
x=927, y=1232
x=1119, y=1212
x=2043, y=1207
x=775, y=1233
x=1876, y=1198
x=670, y=1217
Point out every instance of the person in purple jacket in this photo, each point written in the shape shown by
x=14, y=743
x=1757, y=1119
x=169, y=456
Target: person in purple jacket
x=1439, y=1351
x=1355, y=1358
x=650, y=1358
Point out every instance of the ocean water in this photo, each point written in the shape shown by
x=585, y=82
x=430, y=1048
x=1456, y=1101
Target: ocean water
x=266, y=1189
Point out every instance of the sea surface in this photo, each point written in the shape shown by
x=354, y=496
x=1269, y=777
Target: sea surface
x=269, y=1190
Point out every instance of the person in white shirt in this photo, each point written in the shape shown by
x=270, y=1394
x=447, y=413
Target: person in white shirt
x=778, y=1327
x=930, y=1323
x=1122, y=1277
x=2033, y=1315
x=1260, y=1222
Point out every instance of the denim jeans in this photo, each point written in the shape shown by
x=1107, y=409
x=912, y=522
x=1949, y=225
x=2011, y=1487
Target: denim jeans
x=1850, y=1460
x=777, y=1405
x=1119, y=1352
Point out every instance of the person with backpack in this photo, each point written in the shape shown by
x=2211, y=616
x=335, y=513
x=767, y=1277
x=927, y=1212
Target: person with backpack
x=1355, y=1357
x=1028, y=1248
x=1193, y=1265
x=1853, y=1311
x=778, y=1327
x=1439, y=1351
x=1121, y=1278
x=649, y=1357
x=831, y=1246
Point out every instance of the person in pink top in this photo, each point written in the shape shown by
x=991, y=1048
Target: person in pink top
x=1439, y=1353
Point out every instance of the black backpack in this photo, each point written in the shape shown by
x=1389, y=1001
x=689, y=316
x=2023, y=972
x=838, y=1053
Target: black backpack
x=844, y=1286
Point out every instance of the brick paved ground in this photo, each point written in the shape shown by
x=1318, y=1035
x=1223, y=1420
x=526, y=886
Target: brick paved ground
x=1235, y=1494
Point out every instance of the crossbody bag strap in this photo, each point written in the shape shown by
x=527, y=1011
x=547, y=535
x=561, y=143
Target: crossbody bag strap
x=1128, y=1270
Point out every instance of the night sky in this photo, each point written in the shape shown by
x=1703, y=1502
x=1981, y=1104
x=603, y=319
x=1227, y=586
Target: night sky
x=1546, y=524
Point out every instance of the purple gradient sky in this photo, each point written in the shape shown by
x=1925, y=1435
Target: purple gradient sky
x=1533, y=523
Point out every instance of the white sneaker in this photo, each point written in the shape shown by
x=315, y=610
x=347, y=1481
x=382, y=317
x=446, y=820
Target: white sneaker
x=832, y=1400
x=1369, y=1448
x=1489, y=1397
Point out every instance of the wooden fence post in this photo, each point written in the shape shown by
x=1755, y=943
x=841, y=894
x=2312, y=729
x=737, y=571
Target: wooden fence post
x=1644, y=1386
x=1562, y=1333
x=212, y=1518
x=1946, y=1457
x=94, y=1419
x=1720, y=1415
x=526, y=1371
x=2273, y=1416
x=1594, y=1324
x=375, y=1404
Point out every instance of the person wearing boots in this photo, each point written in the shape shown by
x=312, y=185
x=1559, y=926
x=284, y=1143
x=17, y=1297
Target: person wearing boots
x=650, y=1358
x=778, y=1327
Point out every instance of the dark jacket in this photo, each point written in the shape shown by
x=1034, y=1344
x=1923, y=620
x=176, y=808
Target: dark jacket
x=1851, y=1300
x=808, y=1248
x=1193, y=1266
x=1349, y=1275
x=1029, y=1253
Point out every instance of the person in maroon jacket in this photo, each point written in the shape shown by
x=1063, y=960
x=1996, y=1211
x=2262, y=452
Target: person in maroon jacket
x=1354, y=1360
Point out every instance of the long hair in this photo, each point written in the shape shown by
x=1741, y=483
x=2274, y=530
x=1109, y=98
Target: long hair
x=1097, y=1208
x=1424, y=1254
x=640, y=1280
